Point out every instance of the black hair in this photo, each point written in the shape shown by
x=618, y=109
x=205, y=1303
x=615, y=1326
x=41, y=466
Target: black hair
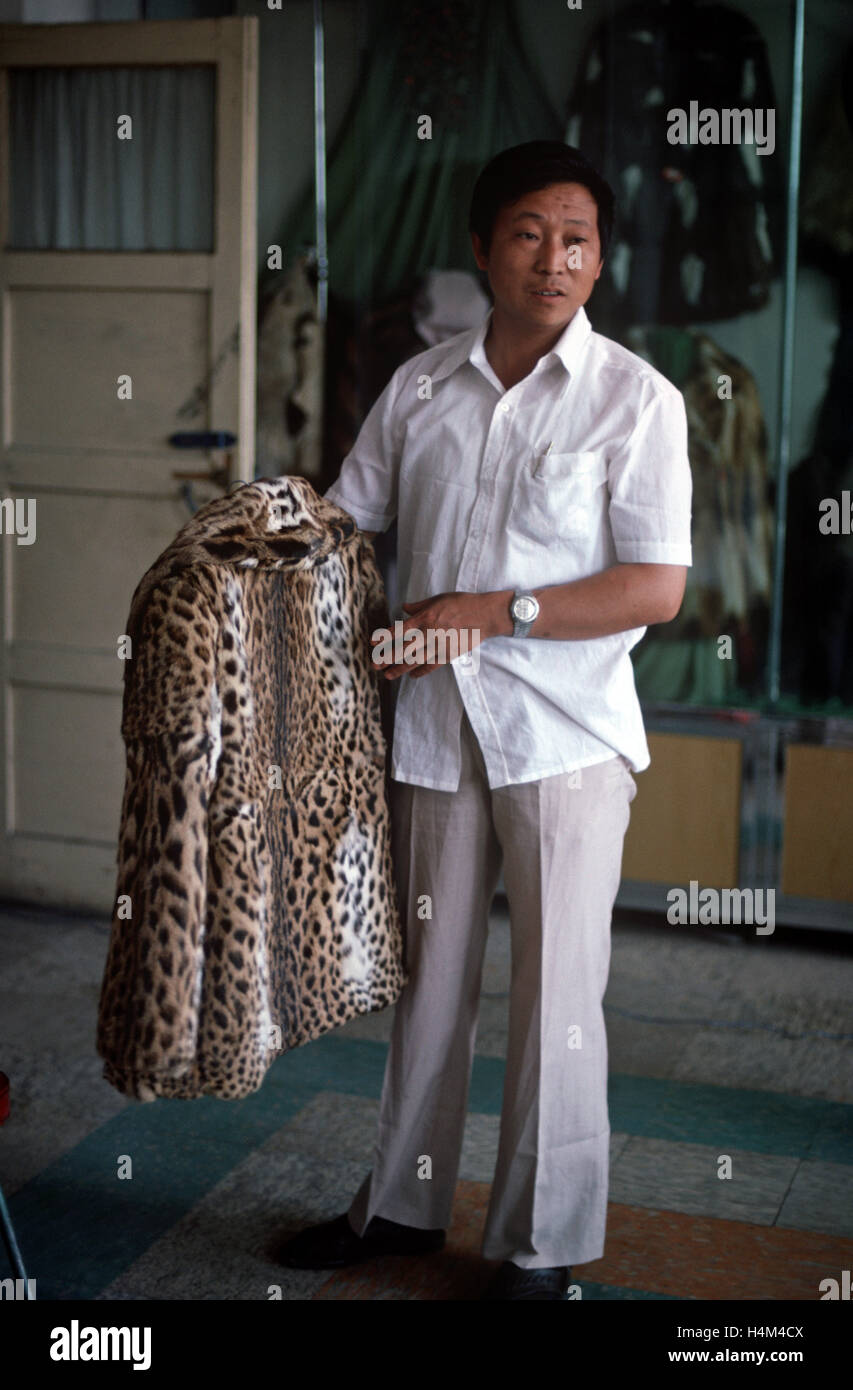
x=527, y=168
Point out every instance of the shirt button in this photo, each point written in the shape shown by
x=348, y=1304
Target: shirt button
x=504, y=408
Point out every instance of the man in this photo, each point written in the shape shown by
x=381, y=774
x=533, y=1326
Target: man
x=540, y=480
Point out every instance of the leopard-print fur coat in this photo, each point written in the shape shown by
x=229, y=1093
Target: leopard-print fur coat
x=255, y=903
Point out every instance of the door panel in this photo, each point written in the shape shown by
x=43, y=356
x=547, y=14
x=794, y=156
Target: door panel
x=818, y=827
x=678, y=833
x=116, y=536
x=71, y=347
x=100, y=469
x=64, y=742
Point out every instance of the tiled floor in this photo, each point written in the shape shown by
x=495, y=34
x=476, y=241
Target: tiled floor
x=731, y=1146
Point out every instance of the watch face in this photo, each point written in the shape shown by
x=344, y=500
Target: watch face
x=524, y=609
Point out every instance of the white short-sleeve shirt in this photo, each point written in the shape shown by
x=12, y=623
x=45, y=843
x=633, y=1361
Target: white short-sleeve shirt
x=482, y=503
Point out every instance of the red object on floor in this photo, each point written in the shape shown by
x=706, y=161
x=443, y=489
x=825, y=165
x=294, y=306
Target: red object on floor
x=4, y=1097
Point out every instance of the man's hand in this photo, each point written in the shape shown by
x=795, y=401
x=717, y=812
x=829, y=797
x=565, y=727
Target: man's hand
x=446, y=626
x=617, y=599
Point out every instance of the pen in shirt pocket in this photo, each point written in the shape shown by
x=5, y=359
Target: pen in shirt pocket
x=555, y=415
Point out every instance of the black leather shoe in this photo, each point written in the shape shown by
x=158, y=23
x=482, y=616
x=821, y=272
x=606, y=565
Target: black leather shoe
x=512, y=1282
x=334, y=1244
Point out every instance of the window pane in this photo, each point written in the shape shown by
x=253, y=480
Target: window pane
x=112, y=159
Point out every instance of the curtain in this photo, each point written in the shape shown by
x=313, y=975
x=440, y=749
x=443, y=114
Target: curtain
x=397, y=204
x=76, y=186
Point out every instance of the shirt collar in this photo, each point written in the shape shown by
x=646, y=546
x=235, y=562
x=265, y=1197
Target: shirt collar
x=469, y=347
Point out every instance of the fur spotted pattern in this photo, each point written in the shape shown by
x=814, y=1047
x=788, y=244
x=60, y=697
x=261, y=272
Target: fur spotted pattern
x=255, y=902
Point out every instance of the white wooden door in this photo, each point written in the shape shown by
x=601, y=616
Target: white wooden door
x=88, y=496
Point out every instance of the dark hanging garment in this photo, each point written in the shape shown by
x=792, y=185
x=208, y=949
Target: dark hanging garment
x=255, y=904
x=826, y=205
x=817, y=632
x=729, y=583
x=699, y=227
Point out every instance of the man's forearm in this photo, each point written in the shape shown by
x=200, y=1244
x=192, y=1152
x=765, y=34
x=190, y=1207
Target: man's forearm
x=615, y=600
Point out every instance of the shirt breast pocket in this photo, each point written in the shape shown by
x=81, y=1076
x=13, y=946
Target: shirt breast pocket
x=564, y=494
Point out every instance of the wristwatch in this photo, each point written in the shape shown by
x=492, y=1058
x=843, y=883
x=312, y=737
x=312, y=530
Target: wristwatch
x=524, y=610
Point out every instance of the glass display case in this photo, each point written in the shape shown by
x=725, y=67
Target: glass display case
x=737, y=286
x=726, y=132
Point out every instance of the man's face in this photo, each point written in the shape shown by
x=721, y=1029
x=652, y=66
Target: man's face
x=531, y=242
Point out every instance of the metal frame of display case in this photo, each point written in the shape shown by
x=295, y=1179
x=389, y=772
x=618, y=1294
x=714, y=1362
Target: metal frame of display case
x=765, y=732
x=764, y=738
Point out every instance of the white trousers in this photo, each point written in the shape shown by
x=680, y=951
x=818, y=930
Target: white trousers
x=561, y=849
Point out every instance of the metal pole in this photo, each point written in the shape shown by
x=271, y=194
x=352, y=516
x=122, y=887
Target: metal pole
x=787, y=384
x=320, y=163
